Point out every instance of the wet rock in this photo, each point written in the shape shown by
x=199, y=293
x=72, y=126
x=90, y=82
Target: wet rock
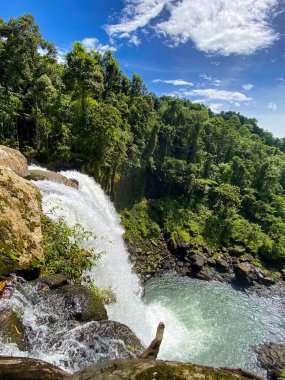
x=29, y=369
x=20, y=225
x=53, y=281
x=40, y=175
x=82, y=303
x=11, y=328
x=283, y=274
x=96, y=341
x=271, y=357
x=14, y=160
x=74, y=181
x=158, y=370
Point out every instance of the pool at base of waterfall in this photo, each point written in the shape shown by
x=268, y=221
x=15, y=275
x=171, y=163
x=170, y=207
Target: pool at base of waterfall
x=210, y=323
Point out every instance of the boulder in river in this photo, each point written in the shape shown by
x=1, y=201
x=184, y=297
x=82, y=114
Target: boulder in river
x=94, y=342
x=83, y=304
x=11, y=328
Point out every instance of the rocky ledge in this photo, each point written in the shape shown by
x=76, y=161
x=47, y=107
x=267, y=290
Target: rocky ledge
x=230, y=265
x=31, y=369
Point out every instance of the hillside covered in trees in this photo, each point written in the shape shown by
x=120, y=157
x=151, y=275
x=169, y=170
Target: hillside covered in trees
x=171, y=165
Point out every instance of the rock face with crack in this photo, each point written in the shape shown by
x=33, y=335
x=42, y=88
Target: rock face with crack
x=20, y=225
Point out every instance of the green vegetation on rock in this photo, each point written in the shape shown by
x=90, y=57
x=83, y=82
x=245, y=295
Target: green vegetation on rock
x=64, y=252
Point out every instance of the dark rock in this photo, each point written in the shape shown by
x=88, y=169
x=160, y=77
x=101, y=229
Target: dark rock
x=236, y=251
x=207, y=274
x=271, y=357
x=82, y=303
x=74, y=181
x=198, y=261
x=156, y=369
x=54, y=281
x=29, y=369
x=11, y=328
x=211, y=262
x=283, y=274
x=222, y=264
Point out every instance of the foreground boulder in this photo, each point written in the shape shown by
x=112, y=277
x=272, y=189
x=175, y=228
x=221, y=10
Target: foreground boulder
x=20, y=224
x=96, y=341
x=14, y=160
x=82, y=304
x=11, y=328
x=40, y=175
x=29, y=369
x=271, y=357
x=158, y=370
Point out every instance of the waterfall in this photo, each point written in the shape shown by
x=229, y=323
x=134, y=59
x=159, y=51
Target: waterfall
x=206, y=322
x=90, y=207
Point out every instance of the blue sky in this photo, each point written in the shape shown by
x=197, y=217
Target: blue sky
x=227, y=54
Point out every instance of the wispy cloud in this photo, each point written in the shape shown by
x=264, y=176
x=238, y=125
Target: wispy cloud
x=136, y=14
x=214, y=94
x=247, y=86
x=211, y=80
x=175, y=82
x=219, y=26
x=92, y=43
x=272, y=106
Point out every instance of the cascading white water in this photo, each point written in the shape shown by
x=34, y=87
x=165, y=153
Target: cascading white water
x=90, y=207
x=191, y=309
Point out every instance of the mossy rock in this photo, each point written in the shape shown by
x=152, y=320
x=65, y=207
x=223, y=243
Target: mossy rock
x=11, y=328
x=150, y=370
x=82, y=303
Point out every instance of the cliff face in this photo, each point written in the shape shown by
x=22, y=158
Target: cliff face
x=20, y=224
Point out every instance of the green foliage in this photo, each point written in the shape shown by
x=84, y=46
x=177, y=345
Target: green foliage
x=214, y=179
x=67, y=249
x=139, y=223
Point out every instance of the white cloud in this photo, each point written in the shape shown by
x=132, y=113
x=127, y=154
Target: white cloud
x=92, y=43
x=137, y=14
x=214, y=94
x=272, y=106
x=175, y=82
x=247, y=86
x=217, y=26
x=216, y=107
x=134, y=40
